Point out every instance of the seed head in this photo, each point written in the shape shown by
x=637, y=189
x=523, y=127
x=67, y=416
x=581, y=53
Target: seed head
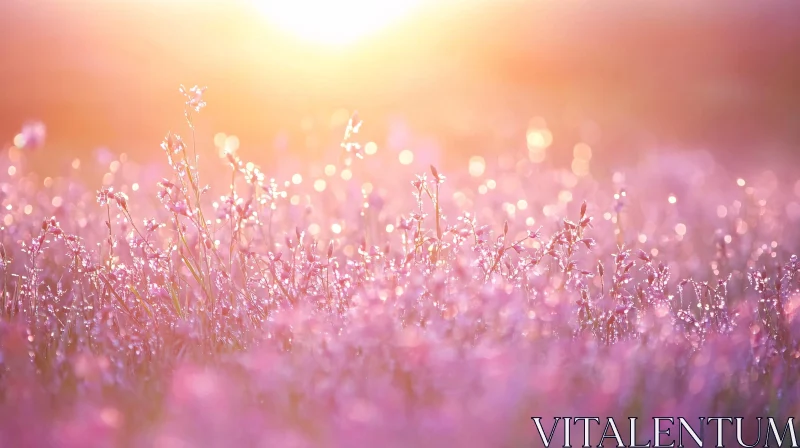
x=194, y=97
x=122, y=200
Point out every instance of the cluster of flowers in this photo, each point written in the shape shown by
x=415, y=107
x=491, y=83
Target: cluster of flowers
x=253, y=319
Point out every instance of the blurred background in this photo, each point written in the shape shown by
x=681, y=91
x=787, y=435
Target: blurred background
x=465, y=77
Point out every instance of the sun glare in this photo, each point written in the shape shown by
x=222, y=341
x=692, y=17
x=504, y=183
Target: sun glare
x=334, y=22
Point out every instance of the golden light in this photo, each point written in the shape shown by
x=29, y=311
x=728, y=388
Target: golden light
x=334, y=22
x=477, y=165
x=219, y=139
x=582, y=151
x=19, y=140
x=406, y=157
x=580, y=167
x=539, y=138
x=230, y=144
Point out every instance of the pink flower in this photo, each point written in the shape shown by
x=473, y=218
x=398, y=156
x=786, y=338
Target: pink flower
x=173, y=143
x=180, y=208
x=194, y=97
x=122, y=200
x=103, y=196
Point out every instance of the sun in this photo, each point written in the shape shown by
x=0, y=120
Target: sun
x=334, y=22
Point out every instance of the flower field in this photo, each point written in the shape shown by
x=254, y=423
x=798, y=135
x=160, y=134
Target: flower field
x=369, y=302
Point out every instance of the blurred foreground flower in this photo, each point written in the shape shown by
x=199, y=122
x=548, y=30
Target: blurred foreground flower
x=32, y=135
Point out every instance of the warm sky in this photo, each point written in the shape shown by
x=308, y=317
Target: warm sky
x=106, y=72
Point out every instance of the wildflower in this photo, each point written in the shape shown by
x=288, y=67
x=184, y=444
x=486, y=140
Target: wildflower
x=150, y=225
x=194, y=97
x=353, y=126
x=103, y=196
x=482, y=233
x=232, y=159
x=173, y=143
x=52, y=226
x=162, y=195
x=437, y=178
x=166, y=184
x=405, y=224
x=179, y=208
x=122, y=200
x=534, y=234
